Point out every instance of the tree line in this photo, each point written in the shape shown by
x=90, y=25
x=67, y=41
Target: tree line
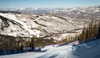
x=11, y=45
x=92, y=32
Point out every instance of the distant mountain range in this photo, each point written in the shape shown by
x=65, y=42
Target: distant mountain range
x=44, y=22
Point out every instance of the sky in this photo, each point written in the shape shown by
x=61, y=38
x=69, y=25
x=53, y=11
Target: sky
x=47, y=3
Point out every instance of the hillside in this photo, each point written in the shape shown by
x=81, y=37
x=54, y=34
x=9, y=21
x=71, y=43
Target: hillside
x=45, y=22
x=29, y=25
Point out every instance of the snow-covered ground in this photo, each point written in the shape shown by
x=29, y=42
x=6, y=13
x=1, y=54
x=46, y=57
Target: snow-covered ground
x=85, y=50
x=25, y=25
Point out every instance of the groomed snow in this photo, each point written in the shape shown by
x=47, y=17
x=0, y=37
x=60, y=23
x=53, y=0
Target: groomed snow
x=85, y=50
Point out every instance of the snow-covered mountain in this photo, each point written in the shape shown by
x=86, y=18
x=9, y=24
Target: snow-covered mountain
x=45, y=22
x=27, y=25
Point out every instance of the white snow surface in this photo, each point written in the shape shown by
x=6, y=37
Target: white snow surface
x=85, y=50
x=26, y=25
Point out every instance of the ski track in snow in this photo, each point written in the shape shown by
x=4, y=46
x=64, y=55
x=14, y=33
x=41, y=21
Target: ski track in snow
x=85, y=50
